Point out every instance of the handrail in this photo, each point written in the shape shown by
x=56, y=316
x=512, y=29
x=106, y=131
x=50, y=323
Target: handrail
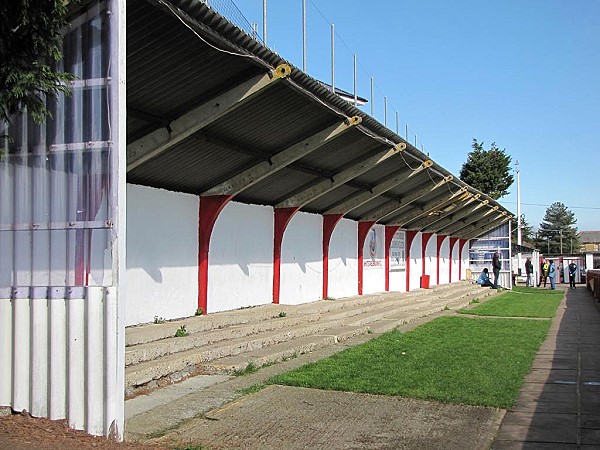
x=592, y=281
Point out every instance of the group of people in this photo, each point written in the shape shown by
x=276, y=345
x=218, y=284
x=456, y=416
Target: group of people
x=484, y=277
x=548, y=270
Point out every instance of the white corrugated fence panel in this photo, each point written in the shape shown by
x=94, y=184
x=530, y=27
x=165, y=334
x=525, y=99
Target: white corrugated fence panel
x=61, y=332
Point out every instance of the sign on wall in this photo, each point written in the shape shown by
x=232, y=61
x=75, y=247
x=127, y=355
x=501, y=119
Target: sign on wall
x=397, y=251
x=371, y=259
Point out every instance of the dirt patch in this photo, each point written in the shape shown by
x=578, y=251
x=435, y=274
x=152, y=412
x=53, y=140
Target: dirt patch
x=23, y=432
x=281, y=417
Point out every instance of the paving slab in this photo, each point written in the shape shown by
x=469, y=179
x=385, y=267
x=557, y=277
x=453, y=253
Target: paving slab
x=559, y=403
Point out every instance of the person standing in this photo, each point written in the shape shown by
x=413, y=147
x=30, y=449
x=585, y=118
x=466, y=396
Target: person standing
x=543, y=272
x=572, y=272
x=529, y=272
x=552, y=274
x=496, y=266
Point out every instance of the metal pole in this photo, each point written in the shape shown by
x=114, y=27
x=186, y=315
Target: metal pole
x=333, y=58
x=304, y=36
x=396, y=122
x=355, y=96
x=561, y=247
x=406, y=132
x=385, y=110
x=372, y=97
x=415, y=140
x=265, y=22
x=519, y=241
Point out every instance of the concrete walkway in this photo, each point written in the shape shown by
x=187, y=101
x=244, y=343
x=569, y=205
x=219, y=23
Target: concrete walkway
x=559, y=403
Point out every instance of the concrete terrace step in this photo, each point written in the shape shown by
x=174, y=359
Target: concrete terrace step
x=262, y=337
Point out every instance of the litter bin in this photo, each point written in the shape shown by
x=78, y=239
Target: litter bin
x=425, y=281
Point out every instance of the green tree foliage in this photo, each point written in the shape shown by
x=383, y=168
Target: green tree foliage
x=487, y=170
x=527, y=234
x=558, y=221
x=30, y=43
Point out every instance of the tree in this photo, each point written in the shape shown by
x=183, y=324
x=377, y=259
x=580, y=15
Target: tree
x=30, y=43
x=487, y=170
x=527, y=234
x=556, y=227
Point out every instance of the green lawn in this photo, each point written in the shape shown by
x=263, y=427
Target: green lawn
x=451, y=359
x=521, y=302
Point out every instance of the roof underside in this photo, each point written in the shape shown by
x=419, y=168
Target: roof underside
x=210, y=111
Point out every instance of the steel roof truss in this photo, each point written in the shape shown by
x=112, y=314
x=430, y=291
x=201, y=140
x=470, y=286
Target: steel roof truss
x=438, y=219
x=263, y=169
x=403, y=202
x=459, y=226
x=445, y=199
x=322, y=187
x=162, y=139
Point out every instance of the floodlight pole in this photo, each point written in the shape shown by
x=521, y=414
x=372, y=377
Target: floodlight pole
x=519, y=238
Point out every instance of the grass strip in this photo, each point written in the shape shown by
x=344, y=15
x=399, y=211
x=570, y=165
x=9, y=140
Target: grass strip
x=520, y=302
x=451, y=359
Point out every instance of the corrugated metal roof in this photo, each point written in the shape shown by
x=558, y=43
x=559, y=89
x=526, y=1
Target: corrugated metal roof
x=184, y=60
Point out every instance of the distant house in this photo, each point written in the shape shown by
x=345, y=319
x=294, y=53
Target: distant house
x=590, y=241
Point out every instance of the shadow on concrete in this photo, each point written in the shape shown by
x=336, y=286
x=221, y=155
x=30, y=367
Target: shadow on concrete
x=559, y=403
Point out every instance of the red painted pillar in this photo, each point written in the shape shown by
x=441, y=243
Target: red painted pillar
x=452, y=244
x=363, y=230
x=282, y=219
x=461, y=245
x=390, y=231
x=329, y=223
x=410, y=237
x=425, y=237
x=209, y=209
x=440, y=240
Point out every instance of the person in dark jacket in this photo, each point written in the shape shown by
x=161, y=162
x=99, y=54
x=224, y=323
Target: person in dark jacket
x=496, y=266
x=572, y=273
x=529, y=272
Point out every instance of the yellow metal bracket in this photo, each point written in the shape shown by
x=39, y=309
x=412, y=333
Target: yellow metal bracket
x=354, y=120
x=281, y=71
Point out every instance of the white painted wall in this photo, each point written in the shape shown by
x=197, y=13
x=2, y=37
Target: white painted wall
x=398, y=280
x=343, y=260
x=240, y=260
x=465, y=259
x=431, y=260
x=456, y=276
x=416, y=266
x=445, y=262
x=374, y=264
x=162, y=254
x=302, y=260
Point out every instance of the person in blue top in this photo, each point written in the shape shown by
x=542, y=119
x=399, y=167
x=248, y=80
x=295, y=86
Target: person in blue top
x=484, y=279
x=572, y=272
x=552, y=274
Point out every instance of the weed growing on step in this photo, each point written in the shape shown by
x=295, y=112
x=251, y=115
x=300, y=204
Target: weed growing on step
x=446, y=308
x=199, y=312
x=475, y=300
x=190, y=447
x=252, y=389
x=159, y=319
x=181, y=331
x=282, y=314
x=250, y=368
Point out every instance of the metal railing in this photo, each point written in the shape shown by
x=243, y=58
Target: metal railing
x=592, y=281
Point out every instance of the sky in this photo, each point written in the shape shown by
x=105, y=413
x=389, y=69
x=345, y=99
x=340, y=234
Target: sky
x=524, y=74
